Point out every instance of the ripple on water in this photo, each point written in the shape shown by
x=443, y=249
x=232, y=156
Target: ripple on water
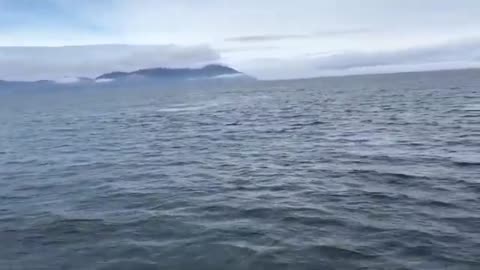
x=347, y=173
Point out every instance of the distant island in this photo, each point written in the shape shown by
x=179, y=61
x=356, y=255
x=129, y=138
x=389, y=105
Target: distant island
x=206, y=72
x=161, y=74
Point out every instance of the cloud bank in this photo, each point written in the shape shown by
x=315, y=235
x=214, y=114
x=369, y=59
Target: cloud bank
x=264, y=38
x=449, y=52
x=38, y=63
x=318, y=34
x=58, y=63
x=452, y=55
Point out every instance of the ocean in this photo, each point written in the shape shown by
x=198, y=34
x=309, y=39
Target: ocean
x=360, y=172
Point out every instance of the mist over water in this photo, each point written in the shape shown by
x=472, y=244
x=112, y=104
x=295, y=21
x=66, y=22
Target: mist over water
x=370, y=172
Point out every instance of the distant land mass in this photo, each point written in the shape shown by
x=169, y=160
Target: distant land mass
x=206, y=72
x=160, y=74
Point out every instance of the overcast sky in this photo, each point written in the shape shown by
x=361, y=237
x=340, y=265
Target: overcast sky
x=265, y=38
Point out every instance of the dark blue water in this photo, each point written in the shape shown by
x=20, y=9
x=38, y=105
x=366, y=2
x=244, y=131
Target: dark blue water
x=376, y=172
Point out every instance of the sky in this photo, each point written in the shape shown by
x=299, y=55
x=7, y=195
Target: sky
x=52, y=39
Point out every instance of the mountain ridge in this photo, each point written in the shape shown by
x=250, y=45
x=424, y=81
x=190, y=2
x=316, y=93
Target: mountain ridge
x=208, y=71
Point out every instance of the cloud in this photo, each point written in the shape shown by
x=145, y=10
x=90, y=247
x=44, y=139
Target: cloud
x=318, y=34
x=35, y=63
x=247, y=49
x=448, y=52
x=264, y=38
x=58, y=63
x=342, y=32
x=451, y=55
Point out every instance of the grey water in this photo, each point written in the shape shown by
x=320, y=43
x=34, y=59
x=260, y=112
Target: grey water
x=367, y=172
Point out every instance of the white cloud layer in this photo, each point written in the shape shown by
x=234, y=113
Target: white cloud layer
x=452, y=55
x=59, y=63
x=37, y=63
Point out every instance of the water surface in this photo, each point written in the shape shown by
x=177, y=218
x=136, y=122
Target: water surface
x=375, y=172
